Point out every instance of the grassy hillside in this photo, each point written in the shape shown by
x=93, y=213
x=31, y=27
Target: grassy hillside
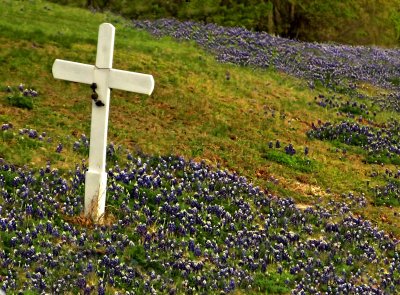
x=224, y=114
x=195, y=111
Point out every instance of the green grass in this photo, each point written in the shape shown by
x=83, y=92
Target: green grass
x=391, y=199
x=352, y=110
x=382, y=158
x=295, y=162
x=194, y=111
x=272, y=283
x=20, y=101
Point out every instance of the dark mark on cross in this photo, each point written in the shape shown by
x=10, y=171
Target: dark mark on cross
x=95, y=96
x=99, y=103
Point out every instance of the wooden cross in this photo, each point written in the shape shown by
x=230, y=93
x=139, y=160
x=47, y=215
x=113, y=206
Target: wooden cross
x=105, y=78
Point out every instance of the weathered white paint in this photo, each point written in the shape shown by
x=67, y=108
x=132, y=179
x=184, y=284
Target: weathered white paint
x=105, y=77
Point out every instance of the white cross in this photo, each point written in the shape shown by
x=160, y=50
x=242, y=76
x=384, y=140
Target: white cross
x=105, y=78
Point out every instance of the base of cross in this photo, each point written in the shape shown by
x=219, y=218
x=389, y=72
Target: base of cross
x=95, y=195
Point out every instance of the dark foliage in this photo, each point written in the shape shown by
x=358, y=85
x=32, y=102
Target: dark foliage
x=352, y=22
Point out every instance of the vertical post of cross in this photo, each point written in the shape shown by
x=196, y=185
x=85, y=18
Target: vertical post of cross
x=96, y=176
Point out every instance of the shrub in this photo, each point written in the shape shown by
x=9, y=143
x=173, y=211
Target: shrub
x=21, y=98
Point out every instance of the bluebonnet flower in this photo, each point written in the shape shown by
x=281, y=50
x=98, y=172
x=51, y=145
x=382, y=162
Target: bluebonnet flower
x=59, y=148
x=6, y=126
x=290, y=150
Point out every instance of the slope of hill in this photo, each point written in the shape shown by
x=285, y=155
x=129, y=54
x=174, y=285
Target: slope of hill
x=281, y=178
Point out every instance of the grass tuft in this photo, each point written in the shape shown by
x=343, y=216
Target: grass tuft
x=295, y=162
